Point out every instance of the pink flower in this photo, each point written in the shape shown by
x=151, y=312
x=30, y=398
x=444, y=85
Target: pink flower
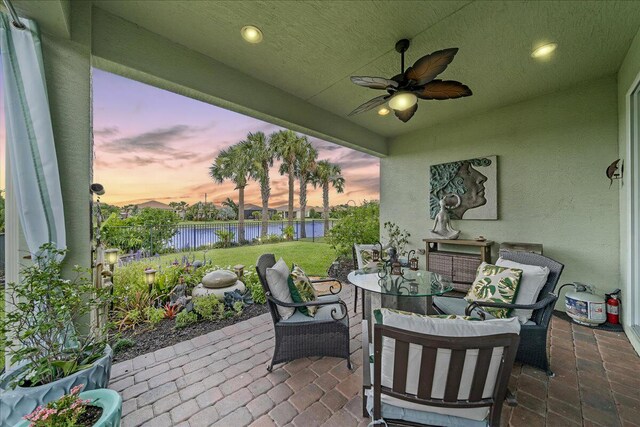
x=77, y=389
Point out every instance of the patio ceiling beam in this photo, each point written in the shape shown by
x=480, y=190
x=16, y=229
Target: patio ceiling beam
x=52, y=16
x=122, y=47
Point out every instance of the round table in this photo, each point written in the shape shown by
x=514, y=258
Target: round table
x=412, y=291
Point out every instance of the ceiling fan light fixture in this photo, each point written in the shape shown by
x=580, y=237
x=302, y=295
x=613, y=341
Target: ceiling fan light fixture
x=383, y=111
x=544, y=51
x=251, y=33
x=403, y=100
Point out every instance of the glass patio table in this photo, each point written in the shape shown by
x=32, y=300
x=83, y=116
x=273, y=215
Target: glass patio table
x=412, y=291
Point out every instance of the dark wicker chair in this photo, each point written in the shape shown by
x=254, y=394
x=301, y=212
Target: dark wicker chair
x=429, y=345
x=310, y=337
x=533, y=343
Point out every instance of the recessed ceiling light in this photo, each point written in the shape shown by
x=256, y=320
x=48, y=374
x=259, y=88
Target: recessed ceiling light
x=544, y=50
x=251, y=33
x=383, y=111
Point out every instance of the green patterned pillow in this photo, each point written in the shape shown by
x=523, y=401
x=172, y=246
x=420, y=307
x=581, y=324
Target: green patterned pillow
x=302, y=290
x=495, y=284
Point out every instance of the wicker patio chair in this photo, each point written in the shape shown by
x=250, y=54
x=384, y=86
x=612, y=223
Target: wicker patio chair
x=300, y=336
x=533, y=344
x=463, y=388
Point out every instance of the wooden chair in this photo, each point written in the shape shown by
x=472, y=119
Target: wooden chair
x=326, y=334
x=448, y=398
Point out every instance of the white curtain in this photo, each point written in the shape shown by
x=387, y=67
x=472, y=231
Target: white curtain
x=30, y=144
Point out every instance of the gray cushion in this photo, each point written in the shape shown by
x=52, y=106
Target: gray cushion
x=449, y=305
x=323, y=313
x=277, y=277
x=456, y=306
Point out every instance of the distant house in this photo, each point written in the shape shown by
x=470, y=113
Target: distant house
x=249, y=209
x=284, y=210
x=155, y=205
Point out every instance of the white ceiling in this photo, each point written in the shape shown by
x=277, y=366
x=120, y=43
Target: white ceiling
x=311, y=48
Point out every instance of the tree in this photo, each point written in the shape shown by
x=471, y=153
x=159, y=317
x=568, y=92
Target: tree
x=304, y=167
x=287, y=145
x=234, y=164
x=226, y=213
x=150, y=229
x=325, y=175
x=360, y=225
x=262, y=159
x=231, y=204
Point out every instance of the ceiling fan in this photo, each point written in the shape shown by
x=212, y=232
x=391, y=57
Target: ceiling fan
x=417, y=81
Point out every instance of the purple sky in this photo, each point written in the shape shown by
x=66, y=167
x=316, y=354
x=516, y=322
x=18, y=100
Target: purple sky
x=153, y=144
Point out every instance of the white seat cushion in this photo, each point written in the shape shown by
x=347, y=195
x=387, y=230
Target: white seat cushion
x=277, y=279
x=532, y=281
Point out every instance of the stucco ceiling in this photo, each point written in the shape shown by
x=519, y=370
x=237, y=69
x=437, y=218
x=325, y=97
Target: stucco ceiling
x=311, y=48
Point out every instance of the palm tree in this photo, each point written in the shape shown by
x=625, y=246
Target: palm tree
x=287, y=146
x=234, y=164
x=305, y=165
x=327, y=174
x=262, y=160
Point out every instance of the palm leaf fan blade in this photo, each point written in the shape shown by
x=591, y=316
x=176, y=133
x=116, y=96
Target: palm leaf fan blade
x=405, y=115
x=372, y=103
x=443, y=89
x=374, y=82
x=429, y=66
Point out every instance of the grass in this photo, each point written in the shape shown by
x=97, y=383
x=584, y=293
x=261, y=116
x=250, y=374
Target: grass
x=314, y=258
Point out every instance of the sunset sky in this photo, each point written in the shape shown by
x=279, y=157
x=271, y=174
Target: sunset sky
x=153, y=144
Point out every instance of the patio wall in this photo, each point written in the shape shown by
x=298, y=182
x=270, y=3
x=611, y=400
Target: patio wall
x=626, y=75
x=552, y=153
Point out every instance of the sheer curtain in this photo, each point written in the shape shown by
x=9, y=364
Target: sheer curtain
x=30, y=144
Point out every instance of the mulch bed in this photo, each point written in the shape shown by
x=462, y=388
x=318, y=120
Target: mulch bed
x=165, y=334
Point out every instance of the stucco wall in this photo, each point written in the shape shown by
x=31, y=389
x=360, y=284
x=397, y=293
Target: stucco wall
x=552, y=153
x=626, y=76
x=68, y=72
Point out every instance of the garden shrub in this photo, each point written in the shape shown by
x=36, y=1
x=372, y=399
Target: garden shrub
x=252, y=282
x=360, y=224
x=226, y=237
x=238, y=306
x=123, y=344
x=150, y=229
x=208, y=307
x=186, y=318
x=288, y=232
x=154, y=315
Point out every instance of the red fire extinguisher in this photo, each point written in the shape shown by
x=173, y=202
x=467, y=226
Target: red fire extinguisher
x=613, y=307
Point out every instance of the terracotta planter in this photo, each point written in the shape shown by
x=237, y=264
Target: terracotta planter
x=18, y=402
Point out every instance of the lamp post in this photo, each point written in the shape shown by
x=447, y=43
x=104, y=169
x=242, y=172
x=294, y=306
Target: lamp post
x=150, y=278
x=111, y=258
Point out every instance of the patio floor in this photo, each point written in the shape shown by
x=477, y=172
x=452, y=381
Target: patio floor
x=221, y=379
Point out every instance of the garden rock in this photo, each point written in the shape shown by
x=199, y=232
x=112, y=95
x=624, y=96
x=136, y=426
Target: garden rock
x=201, y=290
x=219, y=279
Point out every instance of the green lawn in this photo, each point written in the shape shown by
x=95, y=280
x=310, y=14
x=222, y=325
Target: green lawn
x=314, y=258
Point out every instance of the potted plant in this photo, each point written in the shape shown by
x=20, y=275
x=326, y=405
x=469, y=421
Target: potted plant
x=50, y=355
x=97, y=408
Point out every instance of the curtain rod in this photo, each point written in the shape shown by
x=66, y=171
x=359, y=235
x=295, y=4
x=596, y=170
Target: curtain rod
x=15, y=20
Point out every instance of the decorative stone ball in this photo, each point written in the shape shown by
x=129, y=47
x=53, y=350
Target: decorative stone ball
x=197, y=263
x=200, y=291
x=219, y=279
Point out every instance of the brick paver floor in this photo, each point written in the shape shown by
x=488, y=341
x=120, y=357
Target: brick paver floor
x=221, y=379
